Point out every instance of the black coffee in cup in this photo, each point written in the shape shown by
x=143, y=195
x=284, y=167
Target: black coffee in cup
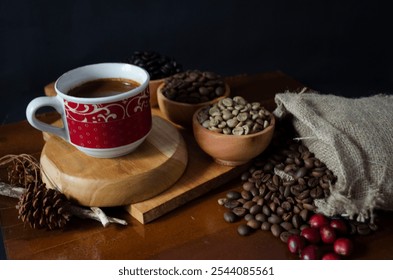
x=103, y=87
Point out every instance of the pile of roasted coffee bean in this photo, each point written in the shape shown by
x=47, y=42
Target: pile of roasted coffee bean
x=158, y=66
x=278, y=192
x=194, y=86
x=235, y=116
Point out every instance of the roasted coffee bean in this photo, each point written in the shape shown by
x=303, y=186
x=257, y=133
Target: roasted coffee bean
x=303, y=226
x=254, y=191
x=248, y=217
x=248, y=204
x=266, y=226
x=272, y=206
x=230, y=217
x=271, y=187
x=295, y=190
x=262, y=190
x=247, y=186
x=286, y=216
x=266, y=210
x=255, y=209
x=308, y=200
x=244, y=230
x=312, y=182
x=246, y=195
x=301, y=181
x=317, y=174
x=254, y=224
x=296, y=221
x=304, y=194
x=221, y=201
x=373, y=227
x=316, y=192
x=274, y=219
x=352, y=229
x=363, y=229
x=276, y=229
x=309, y=207
x=268, y=195
x=261, y=217
x=304, y=215
x=242, y=200
x=291, y=200
x=260, y=201
x=233, y=195
x=286, y=225
x=231, y=204
x=239, y=211
x=301, y=172
x=193, y=86
x=290, y=167
x=158, y=66
x=286, y=205
x=284, y=236
x=280, y=211
x=287, y=191
x=257, y=174
x=289, y=183
x=309, y=163
x=276, y=180
x=294, y=231
x=245, y=175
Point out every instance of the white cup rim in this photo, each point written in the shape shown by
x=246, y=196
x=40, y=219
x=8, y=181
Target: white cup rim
x=98, y=71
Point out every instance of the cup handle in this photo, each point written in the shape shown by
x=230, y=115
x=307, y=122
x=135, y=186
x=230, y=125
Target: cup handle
x=46, y=101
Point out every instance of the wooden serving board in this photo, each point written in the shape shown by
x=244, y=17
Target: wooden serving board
x=200, y=176
x=152, y=168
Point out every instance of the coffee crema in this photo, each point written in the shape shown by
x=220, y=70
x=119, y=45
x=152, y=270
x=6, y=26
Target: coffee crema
x=103, y=87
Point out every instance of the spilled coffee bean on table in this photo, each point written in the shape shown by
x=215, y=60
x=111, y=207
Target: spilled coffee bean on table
x=279, y=189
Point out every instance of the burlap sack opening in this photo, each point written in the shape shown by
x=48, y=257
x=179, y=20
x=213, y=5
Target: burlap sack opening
x=354, y=138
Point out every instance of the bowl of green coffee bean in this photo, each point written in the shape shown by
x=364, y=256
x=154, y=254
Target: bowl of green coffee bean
x=233, y=131
x=180, y=95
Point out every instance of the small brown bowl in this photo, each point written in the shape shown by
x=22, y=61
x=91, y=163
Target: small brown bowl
x=181, y=113
x=232, y=150
x=153, y=85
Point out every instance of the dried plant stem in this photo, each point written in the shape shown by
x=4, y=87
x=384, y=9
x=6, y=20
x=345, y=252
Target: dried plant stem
x=95, y=213
x=10, y=191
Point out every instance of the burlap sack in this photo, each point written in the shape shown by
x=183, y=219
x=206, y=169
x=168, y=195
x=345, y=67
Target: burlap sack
x=354, y=138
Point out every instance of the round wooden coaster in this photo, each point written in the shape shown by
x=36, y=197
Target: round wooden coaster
x=154, y=167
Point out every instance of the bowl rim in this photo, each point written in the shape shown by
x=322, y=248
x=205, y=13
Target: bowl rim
x=227, y=93
x=219, y=134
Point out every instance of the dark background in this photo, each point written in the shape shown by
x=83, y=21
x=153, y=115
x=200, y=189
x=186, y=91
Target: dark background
x=340, y=47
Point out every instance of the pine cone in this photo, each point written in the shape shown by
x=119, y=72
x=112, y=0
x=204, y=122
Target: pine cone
x=43, y=208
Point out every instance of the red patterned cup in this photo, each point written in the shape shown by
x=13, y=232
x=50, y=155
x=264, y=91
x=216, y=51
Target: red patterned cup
x=103, y=127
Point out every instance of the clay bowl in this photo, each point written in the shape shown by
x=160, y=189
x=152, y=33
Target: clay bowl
x=181, y=113
x=153, y=86
x=232, y=150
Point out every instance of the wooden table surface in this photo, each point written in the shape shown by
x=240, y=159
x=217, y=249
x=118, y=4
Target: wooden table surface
x=193, y=231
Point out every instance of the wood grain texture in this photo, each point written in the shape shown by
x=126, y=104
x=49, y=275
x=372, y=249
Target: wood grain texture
x=140, y=175
x=195, y=230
